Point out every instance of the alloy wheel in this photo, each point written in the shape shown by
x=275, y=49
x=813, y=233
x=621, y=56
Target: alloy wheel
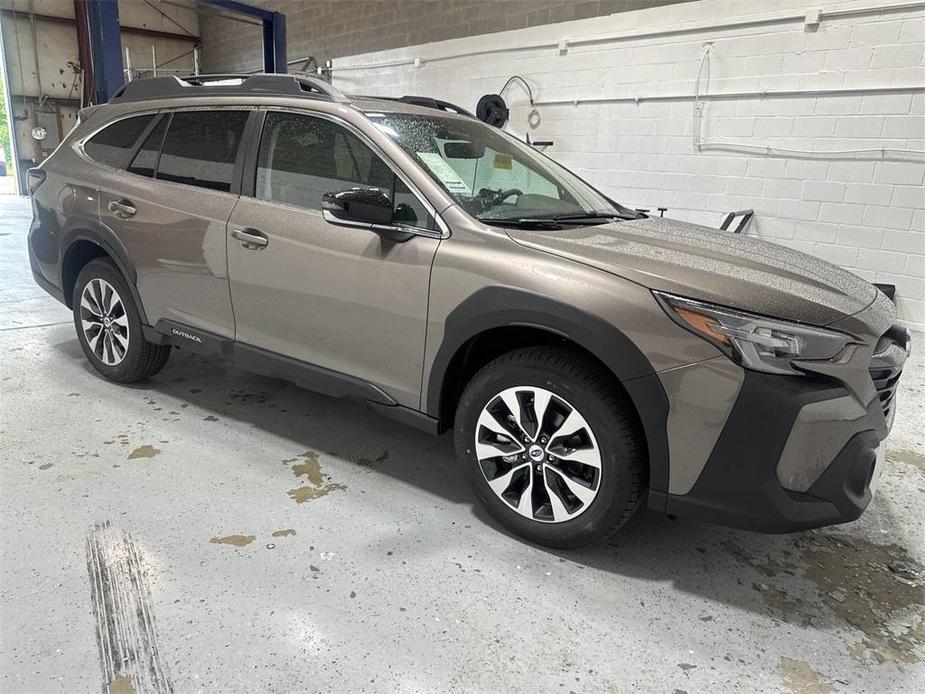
x=104, y=321
x=538, y=454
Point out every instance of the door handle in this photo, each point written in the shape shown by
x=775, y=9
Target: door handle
x=122, y=208
x=251, y=239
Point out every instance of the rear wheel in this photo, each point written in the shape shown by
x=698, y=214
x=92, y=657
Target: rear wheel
x=550, y=446
x=109, y=326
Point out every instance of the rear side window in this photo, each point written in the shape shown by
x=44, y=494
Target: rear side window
x=113, y=145
x=200, y=148
x=145, y=161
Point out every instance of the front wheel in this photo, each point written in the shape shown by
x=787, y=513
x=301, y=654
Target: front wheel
x=109, y=326
x=550, y=446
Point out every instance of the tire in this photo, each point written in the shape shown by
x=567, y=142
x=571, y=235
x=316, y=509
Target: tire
x=139, y=358
x=604, y=457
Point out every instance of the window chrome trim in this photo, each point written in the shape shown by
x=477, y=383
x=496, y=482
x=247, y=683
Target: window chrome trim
x=444, y=230
x=397, y=228
x=78, y=145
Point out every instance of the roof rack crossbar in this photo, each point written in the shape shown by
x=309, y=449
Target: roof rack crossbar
x=221, y=85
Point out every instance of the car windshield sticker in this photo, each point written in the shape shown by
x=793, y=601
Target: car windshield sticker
x=445, y=173
x=503, y=161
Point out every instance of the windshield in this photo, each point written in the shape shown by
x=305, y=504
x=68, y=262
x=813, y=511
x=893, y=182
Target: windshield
x=493, y=176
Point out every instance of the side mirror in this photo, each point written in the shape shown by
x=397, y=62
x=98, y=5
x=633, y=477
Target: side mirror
x=357, y=206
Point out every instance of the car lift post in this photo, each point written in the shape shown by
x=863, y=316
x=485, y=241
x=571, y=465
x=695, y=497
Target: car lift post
x=106, y=42
x=274, y=31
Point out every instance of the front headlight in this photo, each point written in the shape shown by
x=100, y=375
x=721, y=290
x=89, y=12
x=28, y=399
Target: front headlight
x=755, y=342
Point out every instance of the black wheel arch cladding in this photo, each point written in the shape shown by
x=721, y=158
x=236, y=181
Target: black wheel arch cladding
x=112, y=248
x=495, y=307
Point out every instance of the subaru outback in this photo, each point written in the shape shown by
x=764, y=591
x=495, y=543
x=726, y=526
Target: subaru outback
x=590, y=360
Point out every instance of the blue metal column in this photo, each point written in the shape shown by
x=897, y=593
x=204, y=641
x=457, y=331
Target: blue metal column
x=274, y=43
x=274, y=31
x=105, y=48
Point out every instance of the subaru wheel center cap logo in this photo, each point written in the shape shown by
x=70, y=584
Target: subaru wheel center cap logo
x=536, y=453
x=107, y=321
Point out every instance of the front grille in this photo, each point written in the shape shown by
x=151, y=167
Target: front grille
x=885, y=381
x=886, y=365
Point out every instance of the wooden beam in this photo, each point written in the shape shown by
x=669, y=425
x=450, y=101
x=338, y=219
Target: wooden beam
x=153, y=33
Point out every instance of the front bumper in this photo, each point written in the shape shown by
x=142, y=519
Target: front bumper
x=797, y=452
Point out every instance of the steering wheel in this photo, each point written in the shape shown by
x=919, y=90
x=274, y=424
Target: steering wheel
x=498, y=198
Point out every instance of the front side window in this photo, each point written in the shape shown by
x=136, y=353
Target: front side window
x=493, y=176
x=303, y=157
x=113, y=145
x=200, y=148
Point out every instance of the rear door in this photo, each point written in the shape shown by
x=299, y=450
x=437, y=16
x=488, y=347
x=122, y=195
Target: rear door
x=345, y=299
x=170, y=210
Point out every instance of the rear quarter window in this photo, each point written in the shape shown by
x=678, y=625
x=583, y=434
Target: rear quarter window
x=113, y=145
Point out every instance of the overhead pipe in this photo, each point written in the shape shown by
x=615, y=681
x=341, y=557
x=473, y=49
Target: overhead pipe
x=752, y=94
x=768, y=150
x=563, y=45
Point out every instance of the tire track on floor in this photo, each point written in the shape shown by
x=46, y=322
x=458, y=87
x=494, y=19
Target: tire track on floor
x=125, y=626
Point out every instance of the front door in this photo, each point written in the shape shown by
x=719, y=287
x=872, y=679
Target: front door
x=344, y=299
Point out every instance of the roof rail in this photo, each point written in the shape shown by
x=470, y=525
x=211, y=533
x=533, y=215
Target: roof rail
x=429, y=102
x=228, y=85
x=425, y=101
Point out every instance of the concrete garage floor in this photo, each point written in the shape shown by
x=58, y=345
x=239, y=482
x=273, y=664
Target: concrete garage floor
x=242, y=535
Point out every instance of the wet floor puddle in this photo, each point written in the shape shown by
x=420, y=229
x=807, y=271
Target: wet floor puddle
x=235, y=540
x=910, y=458
x=121, y=685
x=146, y=451
x=308, y=467
x=800, y=678
x=877, y=589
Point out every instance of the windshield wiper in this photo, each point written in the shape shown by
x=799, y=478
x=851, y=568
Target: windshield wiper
x=555, y=221
x=550, y=222
x=592, y=216
x=523, y=222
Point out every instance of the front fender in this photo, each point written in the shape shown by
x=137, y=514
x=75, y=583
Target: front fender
x=496, y=307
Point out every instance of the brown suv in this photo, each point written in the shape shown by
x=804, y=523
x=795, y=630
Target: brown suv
x=398, y=251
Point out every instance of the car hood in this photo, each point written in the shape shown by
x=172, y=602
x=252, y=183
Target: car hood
x=711, y=265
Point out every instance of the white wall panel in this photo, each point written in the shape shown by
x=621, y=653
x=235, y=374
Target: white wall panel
x=863, y=211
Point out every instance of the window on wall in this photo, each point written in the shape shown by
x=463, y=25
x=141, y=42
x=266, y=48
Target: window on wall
x=303, y=157
x=114, y=144
x=145, y=161
x=200, y=148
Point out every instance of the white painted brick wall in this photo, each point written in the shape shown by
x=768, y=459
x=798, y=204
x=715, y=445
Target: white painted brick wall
x=863, y=213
